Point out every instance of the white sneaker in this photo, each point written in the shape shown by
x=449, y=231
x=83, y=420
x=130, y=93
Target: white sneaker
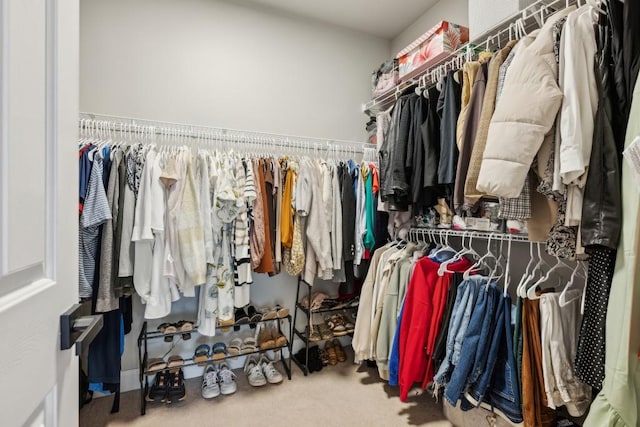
x=269, y=371
x=210, y=387
x=227, y=380
x=254, y=372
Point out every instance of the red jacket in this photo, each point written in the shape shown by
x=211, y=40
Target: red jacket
x=423, y=310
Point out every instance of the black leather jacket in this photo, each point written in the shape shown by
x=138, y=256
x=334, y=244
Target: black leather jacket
x=617, y=64
x=602, y=204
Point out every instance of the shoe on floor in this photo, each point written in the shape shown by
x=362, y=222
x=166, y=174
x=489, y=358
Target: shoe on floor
x=177, y=390
x=270, y=372
x=227, y=380
x=158, y=390
x=210, y=386
x=254, y=372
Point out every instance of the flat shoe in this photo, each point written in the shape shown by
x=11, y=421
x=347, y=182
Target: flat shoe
x=201, y=355
x=219, y=351
x=175, y=361
x=342, y=356
x=155, y=365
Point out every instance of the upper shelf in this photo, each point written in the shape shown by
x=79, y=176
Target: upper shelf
x=529, y=18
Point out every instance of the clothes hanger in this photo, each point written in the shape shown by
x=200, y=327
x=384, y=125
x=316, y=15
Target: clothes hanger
x=526, y=272
x=595, y=7
x=498, y=271
x=531, y=291
x=465, y=251
x=537, y=269
x=562, y=299
x=481, y=261
x=507, y=275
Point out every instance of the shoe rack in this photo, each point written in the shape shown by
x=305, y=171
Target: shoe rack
x=308, y=313
x=143, y=355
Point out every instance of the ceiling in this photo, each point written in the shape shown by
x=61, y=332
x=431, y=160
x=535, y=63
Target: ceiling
x=382, y=18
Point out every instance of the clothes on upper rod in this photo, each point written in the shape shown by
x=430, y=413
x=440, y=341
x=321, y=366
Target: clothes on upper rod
x=171, y=220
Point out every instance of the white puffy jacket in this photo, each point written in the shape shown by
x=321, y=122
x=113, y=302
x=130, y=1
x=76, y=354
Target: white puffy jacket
x=525, y=113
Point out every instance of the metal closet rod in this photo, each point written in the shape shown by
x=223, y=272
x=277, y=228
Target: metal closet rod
x=540, y=9
x=122, y=124
x=422, y=234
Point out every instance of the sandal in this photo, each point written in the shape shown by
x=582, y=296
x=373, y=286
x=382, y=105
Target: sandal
x=241, y=318
x=325, y=331
x=331, y=353
x=336, y=323
x=268, y=313
x=201, y=354
x=278, y=338
x=185, y=326
x=281, y=311
x=342, y=356
x=177, y=390
x=225, y=325
x=175, y=361
x=314, y=336
x=324, y=357
x=235, y=347
x=155, y=365
x=159, y=388
x=219, y=351
x=348, y=324
x=248, y=345
x=265, y=340
x=167, y=329
x=254, y=316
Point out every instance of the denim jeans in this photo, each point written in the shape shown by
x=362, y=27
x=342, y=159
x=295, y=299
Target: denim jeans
x=477, y=389
x=498, y=386
x=474, y=338
x=504, y=393
x=517, y=340
x=466, y=297
x=486, y=336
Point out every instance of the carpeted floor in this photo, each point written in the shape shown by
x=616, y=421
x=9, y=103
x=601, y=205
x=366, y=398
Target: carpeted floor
x=342, y=395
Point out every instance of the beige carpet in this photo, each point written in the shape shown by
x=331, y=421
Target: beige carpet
x=342, y=395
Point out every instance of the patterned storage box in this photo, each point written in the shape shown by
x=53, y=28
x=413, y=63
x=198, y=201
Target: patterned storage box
x=433, y=46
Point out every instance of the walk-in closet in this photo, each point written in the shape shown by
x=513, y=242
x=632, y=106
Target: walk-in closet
x=337, y=213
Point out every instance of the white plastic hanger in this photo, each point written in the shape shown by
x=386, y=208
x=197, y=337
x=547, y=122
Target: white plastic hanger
x=526, y=272
x=481, y=261
x=531, y=291
x=562, y=299
x=507, y=275
x=494, y=275
x=458, y=256
x=537, y=270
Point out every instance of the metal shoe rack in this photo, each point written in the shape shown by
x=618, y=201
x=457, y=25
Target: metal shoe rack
x=143, y=354
x=306, y=311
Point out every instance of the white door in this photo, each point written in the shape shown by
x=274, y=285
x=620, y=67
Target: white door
x=38, y=210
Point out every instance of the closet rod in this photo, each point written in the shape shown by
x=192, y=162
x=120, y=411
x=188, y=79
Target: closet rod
x=423, y=234
x=122, y=124
x=528, y=16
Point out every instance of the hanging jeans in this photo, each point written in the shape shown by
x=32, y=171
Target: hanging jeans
x=502, y=392
x=462, y=309
x=476, y=337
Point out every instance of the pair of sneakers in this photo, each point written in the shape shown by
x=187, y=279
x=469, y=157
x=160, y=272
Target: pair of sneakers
x=260, y=372
x=168, y=386
x=218, y=380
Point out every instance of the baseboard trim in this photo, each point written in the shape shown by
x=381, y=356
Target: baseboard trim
x=129, y=380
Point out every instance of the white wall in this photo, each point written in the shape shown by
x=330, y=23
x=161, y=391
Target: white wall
x=486, y=14
x=218, y=63
x=455, y=11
